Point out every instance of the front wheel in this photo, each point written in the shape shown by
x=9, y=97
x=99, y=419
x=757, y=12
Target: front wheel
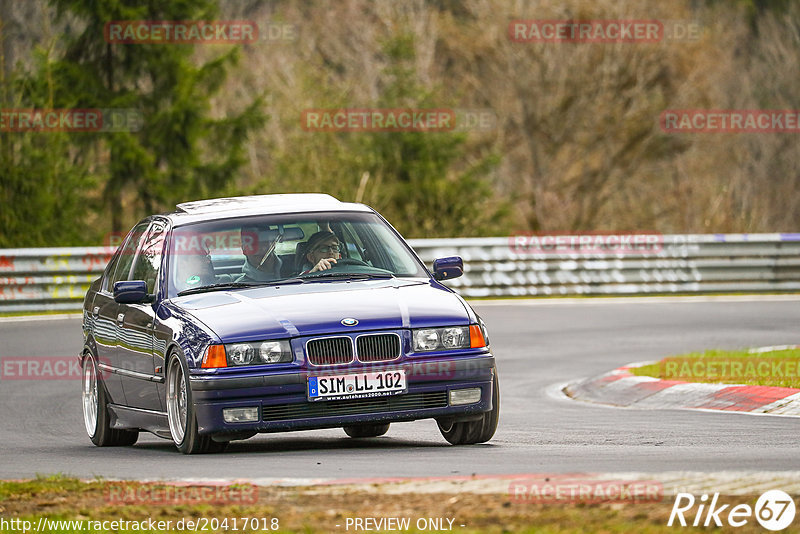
x=366, y=431
x=96, y=418
x=181, y=415
x=471, y=432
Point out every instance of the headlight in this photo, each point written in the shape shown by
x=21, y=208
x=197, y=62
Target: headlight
x=455, y=338
x=240, y=353
x=275, y=352
x=426, y=340
x=258, y=353
x=451, y=337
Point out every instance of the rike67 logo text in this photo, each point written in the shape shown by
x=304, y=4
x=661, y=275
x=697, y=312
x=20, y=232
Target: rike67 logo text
x=774, y=510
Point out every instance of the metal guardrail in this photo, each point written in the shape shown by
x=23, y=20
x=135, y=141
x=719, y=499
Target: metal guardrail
x=57, y=278
x=43, y=279
x=698, y=263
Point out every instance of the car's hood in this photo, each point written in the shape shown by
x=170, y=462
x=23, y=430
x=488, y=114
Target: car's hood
x=319, y=308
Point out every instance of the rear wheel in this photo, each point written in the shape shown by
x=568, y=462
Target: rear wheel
x=366, y=431
x=95, y=410
x=181, y=415
x=478, y=431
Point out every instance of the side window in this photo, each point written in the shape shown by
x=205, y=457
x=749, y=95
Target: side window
x=128, y=252
x=148, y=260
x=109, y=273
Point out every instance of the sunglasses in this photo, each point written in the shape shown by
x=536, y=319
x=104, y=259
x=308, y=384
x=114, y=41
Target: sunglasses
x=328, y=248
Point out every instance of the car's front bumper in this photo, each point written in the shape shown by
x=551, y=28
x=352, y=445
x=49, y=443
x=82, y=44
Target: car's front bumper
x=283, y=404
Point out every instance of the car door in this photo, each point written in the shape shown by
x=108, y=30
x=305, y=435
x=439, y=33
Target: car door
x=135, y=349
x=105, y=311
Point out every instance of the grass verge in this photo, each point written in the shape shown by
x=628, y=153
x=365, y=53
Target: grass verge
x=316, y=509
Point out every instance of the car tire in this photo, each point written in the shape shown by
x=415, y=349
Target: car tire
x=471, y=432
x=181, y=414
x=366, y=431
x=96, y=418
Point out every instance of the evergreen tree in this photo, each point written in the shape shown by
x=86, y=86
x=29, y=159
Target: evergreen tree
x=44, y=180
x=179, y=152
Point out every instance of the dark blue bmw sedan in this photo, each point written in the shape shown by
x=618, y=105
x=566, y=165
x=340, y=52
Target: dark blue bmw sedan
x=235, y=316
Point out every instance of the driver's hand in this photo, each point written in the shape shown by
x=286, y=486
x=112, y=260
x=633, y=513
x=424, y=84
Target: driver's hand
x=323, y=264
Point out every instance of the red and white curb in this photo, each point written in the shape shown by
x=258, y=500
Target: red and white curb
x=621, y=388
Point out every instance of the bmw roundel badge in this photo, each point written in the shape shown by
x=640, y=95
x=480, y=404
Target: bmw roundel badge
x=349, y=321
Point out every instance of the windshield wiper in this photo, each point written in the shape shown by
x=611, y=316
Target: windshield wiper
x=237, y=285
x=349, y=276
x=214, y=287
x=284, y=281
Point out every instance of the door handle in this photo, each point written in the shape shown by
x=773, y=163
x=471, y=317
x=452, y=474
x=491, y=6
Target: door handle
x=120, y=318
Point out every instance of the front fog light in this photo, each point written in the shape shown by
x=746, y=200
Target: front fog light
x=459, y=397
x=240, y=415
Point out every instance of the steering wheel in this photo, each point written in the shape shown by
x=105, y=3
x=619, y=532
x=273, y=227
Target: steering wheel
x=350, y=265
x=349, y=261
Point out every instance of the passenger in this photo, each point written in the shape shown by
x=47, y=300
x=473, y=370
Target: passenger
x=262, y=264
x=321, y=252
x=193, y=269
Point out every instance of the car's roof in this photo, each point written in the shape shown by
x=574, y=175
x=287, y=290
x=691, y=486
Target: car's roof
x=224, y=208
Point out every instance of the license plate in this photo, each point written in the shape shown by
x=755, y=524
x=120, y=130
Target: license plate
x=356, y=386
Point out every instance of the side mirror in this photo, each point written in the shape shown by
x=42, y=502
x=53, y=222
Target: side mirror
x=130, y=292
x=446, y=268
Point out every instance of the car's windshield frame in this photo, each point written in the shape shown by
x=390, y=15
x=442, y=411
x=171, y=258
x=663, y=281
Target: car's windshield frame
x=334, y=218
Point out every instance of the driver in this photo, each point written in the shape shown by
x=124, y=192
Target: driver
x=322, y=251
x=262, y=264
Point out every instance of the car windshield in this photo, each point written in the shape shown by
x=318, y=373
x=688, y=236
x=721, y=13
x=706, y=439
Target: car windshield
x=269, y=250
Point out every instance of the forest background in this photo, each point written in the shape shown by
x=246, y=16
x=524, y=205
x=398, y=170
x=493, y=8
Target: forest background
x=573, y=145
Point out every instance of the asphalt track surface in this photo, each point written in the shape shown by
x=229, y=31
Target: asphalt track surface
x=538, y=345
